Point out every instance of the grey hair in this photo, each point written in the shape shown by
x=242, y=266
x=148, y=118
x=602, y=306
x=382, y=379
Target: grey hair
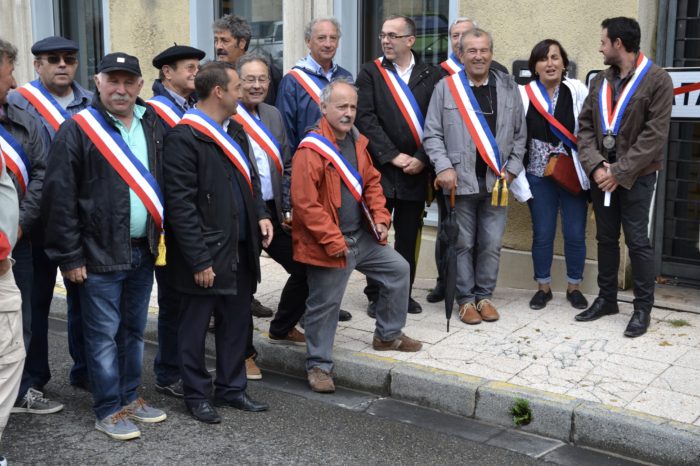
x=237, y=26
x=461, y=19
x=476, y=32
x=251, y=57
x=7, y=52
x=328, y=90
x=308, y=30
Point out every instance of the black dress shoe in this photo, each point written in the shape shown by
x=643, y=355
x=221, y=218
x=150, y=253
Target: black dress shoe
x=577, y=299
x=414, y=307
x=344, y=316
x=244, y=403
x=639, y=323
x=258, y=309
x=598, y=309
x=203, y=412
x=540, y=300
x=436, y=295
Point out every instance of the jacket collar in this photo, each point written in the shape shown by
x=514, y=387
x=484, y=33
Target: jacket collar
x=324, y=128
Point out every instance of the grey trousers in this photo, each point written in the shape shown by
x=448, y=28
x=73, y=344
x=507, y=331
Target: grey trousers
x=327, y=286
x=481, y=228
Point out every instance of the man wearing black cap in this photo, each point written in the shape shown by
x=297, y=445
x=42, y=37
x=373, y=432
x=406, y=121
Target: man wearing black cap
x=173, y=95
x=51, y=99
x=104, y=209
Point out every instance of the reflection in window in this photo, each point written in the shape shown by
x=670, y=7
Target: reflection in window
x=81, y=21
x=265, y=18
x=430, y=16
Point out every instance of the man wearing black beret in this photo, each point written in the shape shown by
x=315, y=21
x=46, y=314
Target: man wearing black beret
x=173, y=95
x=51, y=99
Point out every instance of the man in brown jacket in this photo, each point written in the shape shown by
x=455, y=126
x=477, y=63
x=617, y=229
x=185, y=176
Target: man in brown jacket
x=340, y=224
x=623, y=130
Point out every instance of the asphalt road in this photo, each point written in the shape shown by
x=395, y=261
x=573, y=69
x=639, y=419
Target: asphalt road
x=301, y=427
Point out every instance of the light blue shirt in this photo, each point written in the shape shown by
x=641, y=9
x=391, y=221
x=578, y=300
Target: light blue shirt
x=310, y=64
x=135, y=138
x=263, y=164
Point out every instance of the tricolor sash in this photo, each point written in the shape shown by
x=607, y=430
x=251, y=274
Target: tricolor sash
x=404, y=100
x=15, y=158
x=611, y=118
x=205, y=125
x=166, y=109
x=350, y=176
x=311, y=84
x=110, y=143
x=452, y=65
x=539, y=98
x=37, y=95
x=260, y=135
x=475, y=122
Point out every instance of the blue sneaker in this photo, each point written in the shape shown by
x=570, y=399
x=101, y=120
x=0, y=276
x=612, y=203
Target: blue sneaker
x=118, y=426
x=140, y=411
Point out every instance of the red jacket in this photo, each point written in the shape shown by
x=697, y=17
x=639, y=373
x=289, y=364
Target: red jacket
x=315, y=195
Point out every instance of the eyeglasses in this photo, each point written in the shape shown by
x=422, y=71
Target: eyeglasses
x=392, y=36
x=254, y=79
x=56, y=59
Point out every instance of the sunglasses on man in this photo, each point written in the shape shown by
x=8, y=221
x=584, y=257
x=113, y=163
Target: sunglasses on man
x=56, y=59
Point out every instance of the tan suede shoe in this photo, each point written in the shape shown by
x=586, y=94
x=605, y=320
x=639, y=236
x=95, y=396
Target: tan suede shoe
x=468, y=314
x=487, y=310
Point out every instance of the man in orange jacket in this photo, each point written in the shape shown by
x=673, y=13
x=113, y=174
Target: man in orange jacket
x=340, y=224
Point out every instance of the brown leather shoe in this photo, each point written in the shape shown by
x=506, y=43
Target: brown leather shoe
x=320, y=381
x=487, y=310
x=252, y=371
x=294, y=337
x=468, y=314
x=403, y=343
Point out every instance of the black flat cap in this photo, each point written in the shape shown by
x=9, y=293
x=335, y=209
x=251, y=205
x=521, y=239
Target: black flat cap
x=119, y=61
x=175, y=53
x=54, y=44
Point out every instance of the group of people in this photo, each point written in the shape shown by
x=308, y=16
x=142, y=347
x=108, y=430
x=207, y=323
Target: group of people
x=231, y=157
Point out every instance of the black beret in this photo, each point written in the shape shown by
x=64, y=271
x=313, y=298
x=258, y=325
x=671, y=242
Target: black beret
x=175, y=53
x=54, y=44
x=119, y=62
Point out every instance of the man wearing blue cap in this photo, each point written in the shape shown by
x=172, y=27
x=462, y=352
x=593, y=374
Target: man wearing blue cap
x=173, y=95
x=104, y=209
x=50, y=99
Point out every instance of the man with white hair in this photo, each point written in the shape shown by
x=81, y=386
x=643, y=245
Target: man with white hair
x=104, y=210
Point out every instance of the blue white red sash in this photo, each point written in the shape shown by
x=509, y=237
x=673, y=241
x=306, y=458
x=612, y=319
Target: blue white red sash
x=15, y=158
x=612, y=117
x=404, y=100
x=475, y=122
x=349, y=174
x=166, y=109
x=110, y=143
x=202, y=123
x=452, y=65
x=260, y=135
x=311, y=84
x=44, y=102
x=539, y=98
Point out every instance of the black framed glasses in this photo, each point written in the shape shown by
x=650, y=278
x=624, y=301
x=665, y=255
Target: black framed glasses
x=392, y=36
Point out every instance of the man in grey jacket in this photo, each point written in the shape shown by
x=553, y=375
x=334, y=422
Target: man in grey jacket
x=481, y=107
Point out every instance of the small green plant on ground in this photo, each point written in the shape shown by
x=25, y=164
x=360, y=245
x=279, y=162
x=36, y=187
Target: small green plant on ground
x=521, y=412
x=679, y=323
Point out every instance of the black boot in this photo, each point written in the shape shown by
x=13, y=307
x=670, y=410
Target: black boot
x=598, y=309
x=639, y=323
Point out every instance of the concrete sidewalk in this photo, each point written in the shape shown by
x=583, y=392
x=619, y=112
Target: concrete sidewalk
x=586, y=383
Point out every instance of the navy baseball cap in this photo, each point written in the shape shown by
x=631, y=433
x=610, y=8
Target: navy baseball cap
x=119, y=61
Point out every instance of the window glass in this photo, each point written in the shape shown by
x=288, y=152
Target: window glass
x=432, y=23
x=265, y=18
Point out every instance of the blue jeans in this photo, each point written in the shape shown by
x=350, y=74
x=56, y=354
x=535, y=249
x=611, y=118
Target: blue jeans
x=115, y=309
x=548, y=199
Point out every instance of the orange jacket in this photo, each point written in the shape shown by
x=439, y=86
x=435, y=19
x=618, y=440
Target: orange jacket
x=315, y=195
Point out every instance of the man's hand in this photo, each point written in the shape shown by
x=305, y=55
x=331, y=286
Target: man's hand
x=205, y=278
x=414, y=167
x=446, y=179
x=266, y=231
x=605, y=179
x=5, y=266
x=402, y=160
x=77, y=275
x=342, y=253
x=383, y=231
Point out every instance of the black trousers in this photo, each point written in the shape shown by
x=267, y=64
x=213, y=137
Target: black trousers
x=408, y=224
x=628, y=208
x=232, y=314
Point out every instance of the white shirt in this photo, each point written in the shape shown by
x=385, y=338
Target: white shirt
x=405, y=75
x=263, y=164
